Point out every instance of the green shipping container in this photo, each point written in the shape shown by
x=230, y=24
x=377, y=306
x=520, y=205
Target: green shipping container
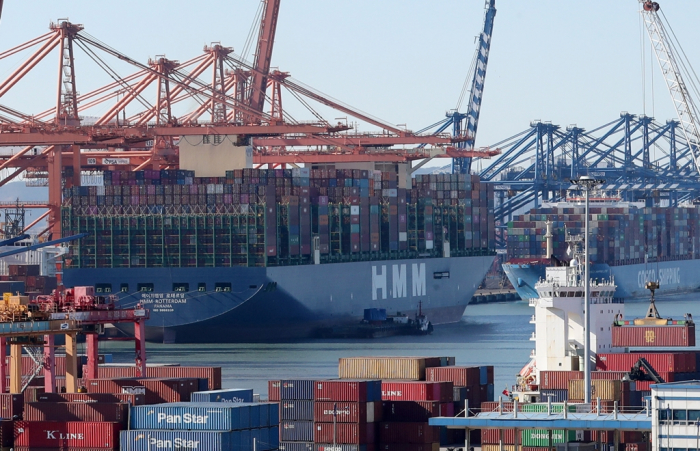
x=542, y=407
x=540, y=437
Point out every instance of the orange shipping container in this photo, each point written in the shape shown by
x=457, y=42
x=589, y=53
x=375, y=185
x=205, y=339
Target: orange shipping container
x=406, y=368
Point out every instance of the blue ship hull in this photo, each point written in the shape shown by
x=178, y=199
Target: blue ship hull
x=240, y=304
x=674, y=277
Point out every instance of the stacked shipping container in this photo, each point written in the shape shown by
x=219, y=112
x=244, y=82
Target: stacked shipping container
x=259, y=217
x=210, y=426
x=296, y=413
x=625, y=235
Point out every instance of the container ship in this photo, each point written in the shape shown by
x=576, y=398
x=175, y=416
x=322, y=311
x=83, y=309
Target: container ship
x=632, y=243
x=276, y=254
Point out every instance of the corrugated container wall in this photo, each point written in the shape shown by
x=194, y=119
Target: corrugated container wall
x=406, y=368
x=346, y=433
x=297, y=410
x=358, y=391
x=410, y=411
x=408, y=433
x=224, y=395
x=191, y=440
x=606, y=390
x=296, y=446
x=558, y=380
x=72, y=434
x=342, y=447
x=200, y=416
x=297, y=431
x=417, y=391
x=409, y=447
x=347, y=412
x=297, y=389
x=211, y=373
x=134, y=400
x=460, y=376
x=76, y=411
x=673, y=362
x=654, y=336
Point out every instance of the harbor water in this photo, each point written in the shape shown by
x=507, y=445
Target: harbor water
x=488, y=334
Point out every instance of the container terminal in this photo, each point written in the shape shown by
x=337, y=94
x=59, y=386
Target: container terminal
x=595, y=378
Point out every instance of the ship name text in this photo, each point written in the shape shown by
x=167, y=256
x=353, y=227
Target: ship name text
x=399, y=281
x=666, y=276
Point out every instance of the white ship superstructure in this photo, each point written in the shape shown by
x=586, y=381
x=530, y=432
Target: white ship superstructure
x=559, y=318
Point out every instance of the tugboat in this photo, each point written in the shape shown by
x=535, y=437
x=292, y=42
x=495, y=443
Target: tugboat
x=376, y=324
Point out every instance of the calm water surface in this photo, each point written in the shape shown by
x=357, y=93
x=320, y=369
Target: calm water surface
x=491, y=334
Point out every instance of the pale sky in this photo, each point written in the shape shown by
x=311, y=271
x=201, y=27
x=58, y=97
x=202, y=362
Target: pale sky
x=404, y=61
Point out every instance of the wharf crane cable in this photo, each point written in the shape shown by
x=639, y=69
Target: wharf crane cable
x=113, y=74
x=468, y=80
x=690, y=74
x=102, y=46
x=313, y=93
x=251, y=32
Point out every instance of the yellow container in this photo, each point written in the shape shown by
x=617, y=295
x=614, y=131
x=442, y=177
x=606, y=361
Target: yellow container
x=406, y=368
x=6, y=297
x=19, y=300
x=604, y=389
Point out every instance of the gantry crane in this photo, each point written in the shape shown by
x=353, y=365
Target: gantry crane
x=671, y=69
x=481, y=60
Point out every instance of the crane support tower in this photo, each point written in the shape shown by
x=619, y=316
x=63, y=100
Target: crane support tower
x=671, y=70
x=463, y=165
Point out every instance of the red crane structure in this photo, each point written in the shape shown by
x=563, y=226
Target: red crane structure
x=136, y=130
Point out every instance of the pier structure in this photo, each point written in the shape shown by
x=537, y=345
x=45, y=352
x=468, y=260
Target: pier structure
x=38, y=339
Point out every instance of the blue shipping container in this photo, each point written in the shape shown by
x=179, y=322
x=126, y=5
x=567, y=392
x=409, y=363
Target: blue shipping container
x=459, y=394
x=297, y=431
x=193, y=416
x=375, y=314
x=483, y=375
x=149, y=440
x=297, y=446
x=296, y=389
x=224, y=395
x=297, y=410
x=489, y=392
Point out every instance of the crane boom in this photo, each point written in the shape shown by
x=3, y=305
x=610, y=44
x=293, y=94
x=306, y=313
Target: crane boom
x=682, y=101
x=263, y=54
x=463, y=165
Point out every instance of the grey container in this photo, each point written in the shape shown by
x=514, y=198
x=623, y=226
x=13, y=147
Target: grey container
x=297, y=410
x=297, y=431
x=148, y=440
x=459, y=394
x=297, y=389
x=192, y=416
x=296, y=446
x=225, y=395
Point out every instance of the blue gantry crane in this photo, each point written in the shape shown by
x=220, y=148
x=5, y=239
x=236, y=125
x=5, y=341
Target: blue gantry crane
x=467, y=123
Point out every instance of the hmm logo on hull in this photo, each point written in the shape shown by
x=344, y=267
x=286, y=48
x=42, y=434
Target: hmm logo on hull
x=399, y=281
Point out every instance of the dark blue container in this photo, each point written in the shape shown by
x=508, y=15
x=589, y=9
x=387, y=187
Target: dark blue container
x=296, y=446
x=339, y=447
x=554, y=395
x=296, y=389
x=274, y=414
x=483, y=375
x=296, y=410
x=375, y=314
x=297, y=431
x=224, y=395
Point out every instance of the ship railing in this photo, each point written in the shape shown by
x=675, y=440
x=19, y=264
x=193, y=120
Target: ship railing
x=560, y=410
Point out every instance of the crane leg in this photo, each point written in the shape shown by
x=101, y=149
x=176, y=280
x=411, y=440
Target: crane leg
x=49, y=364
x=15, y=368
x=71, y=363
x=92, y=356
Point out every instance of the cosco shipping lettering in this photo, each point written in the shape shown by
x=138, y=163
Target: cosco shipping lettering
x=276, y=254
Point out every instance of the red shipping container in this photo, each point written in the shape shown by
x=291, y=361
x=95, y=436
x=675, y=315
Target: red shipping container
x=11, y=405
x=646, y=385
x=651, y=336
x=347, y=412
x=644, y=446
x=492, y=437
x=7, y=433
x=417, y=391
x=76, y=411
x=341, y=391
x=410, y=411
x=273, y=391
x=30, y=393
x=155, y=390
x=558, y=380
x=134, y=400
x=62, y=435
x=409, y=447
x=408, y=433
x=608, y=375
x=674, y=362
x=345, y=433
x=447, y=409
x=460, y=376
x=211, y=373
